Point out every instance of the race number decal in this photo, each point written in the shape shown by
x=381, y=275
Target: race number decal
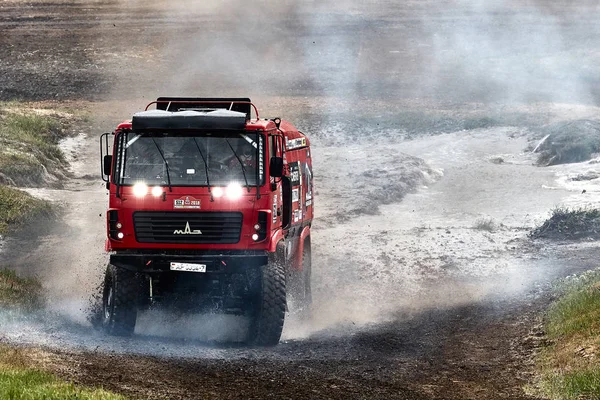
x=186, y=202
x=294, y=173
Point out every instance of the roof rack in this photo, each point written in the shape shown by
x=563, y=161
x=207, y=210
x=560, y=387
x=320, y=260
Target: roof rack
x=220, y=120
x=243, y=105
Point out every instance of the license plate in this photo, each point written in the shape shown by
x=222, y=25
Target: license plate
x=175, y=266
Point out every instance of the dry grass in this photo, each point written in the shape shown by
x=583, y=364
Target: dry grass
x=569, y=142
x=567, y=223
x=29, y=138
x=485, y=224
x=18, y=208
x=21, y=369
x=17, y=292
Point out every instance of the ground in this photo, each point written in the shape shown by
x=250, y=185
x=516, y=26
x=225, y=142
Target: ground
x=420, y=117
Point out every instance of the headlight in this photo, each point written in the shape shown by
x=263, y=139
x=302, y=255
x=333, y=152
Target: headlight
x=234, y=191
x=157, y=191
x=217, y=192
x=140, y=189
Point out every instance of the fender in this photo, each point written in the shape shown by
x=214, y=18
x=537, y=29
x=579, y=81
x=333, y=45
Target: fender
x=276, y=237
x=298, y=256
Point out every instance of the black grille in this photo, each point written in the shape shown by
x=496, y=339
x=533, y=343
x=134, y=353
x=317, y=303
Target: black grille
x=180, y=227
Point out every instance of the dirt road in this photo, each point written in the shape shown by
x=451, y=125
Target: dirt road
x=413, y=298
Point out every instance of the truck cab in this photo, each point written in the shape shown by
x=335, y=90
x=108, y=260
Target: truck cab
x=210, y=209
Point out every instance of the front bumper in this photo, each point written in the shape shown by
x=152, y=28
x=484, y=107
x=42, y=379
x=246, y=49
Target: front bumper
x=230, y=283
x=216, y=262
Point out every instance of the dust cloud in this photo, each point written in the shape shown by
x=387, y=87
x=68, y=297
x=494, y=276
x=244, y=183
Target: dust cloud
x=351, y=59
x=455, y=51
x=344, y=64
x=518, y=52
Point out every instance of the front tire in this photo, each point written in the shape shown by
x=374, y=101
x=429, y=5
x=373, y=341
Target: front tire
x=120, y=301
x=269, y=310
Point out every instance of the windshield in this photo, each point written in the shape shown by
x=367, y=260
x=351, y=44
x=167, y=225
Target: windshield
x=192, y=160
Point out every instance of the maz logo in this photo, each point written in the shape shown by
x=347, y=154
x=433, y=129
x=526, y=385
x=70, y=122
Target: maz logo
x=187, y=231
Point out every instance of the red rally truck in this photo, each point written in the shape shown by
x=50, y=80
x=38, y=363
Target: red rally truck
x=210, y=209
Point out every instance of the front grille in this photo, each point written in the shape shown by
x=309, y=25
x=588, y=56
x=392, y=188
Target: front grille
x=183, y=227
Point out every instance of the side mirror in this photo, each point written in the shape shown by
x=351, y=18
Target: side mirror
x=276, y=167
x=107, y=165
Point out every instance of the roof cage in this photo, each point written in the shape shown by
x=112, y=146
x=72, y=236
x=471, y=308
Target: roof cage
x=243, y=105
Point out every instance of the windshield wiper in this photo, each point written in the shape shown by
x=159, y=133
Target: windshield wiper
x=241, y=164
x=205, y=169
x=166, y=163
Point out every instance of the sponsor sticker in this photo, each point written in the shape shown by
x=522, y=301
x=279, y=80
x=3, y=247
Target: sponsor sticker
x=309, y=180
x=295, y=143
x=186, y=202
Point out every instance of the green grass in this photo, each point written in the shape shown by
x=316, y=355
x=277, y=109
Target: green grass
x=574, y=385
x=28, y=384
x=577, y=312
x=18, y=208
x=569, y=365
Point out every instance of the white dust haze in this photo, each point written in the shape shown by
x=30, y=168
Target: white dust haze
x=315, y=61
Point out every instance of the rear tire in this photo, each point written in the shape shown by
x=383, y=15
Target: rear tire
x=120, y=301
x=269, y=311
